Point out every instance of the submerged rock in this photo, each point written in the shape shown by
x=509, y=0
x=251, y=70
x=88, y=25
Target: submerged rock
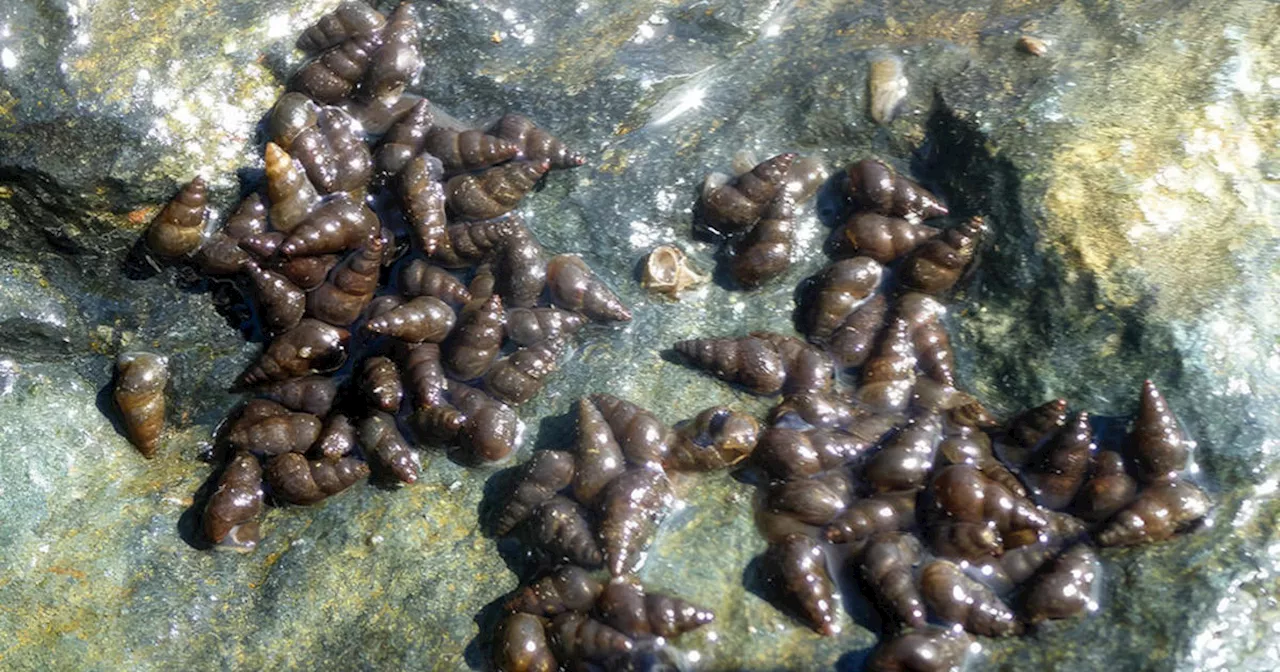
x=1127, y=182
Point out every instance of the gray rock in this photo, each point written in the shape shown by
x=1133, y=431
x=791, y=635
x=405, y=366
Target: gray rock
x=1129, y=175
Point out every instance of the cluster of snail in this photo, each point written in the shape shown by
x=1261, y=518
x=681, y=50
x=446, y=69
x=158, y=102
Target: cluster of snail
x=954, y=523
x=354, y=316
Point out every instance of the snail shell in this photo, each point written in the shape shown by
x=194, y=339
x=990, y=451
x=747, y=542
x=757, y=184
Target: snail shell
x=350, y=18
x=904, y=463
x=1032, y=45
x=404, y=140
x=311, y=347
x=337, y=438
x=578, y=639
x=222, y=255
x=838, y=290
x=1025, y=432
x=574, y=287
x=282, y=303
x=736, y=205
x=625, y=606
x=851, y=342
x=526, y=326
x=599, y=456
x=874, y=186
x=936, y=266
x=645, y=440
x=1068, y=588
x=462, y=151
x=230, y=517
x=889, y=375
x=422, y=368
x=569, y=588
x=523, y=270
x=534, y=143
x=309, y=394
x=887, y=568
x=762, y=362
x=765, y=252
x=332, y=76
x=488, y=429
x=382, y=441
x=801, y=567
x=1160, y=448
x=716, y=438
x=517, y=378
x=817, y=409
x=1108, y=489
x=789, y=453
x=806, y=175
x=268, y=428
x=380, y=384
x=885, y=512
x=1160, y=511
x=493, y=192
x=473, y=347
x=1056, y=475
x=631, y=508
x=297, y=480
x=811, y=501
x=139, y=394
x=545, y=474
x=955, y=598
x=559, y=527
x=424, y=202
x=667, y=271
x=178, y=229
x=342, y=299
x=520, y=645
x=929, y=649
x=467, y=243
x=336, y=225
x=292, y=195
x=398, y=61
x=881, y=237
x=420, y=278
x=424, y=318
x=886, y=88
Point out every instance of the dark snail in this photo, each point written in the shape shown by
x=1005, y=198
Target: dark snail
x=297, y=480
x=178, y=229
x=631, y=508
x=463, y=151
x=574, y=287
x=231, y=515
x=732, y=207
x=350, y=18
x=875, y=186
x=493, y=192
x=545, y=474
x=559, y=527
x=534, y=143
x=801, y=568
x=139, y=394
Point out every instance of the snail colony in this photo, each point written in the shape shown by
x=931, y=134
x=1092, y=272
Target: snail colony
x=955, y=524
x=369, y=335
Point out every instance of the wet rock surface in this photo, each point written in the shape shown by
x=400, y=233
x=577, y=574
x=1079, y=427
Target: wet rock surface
x=1130, y=176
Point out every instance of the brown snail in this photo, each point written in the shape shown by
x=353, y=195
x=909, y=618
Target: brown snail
x=1160, y=448
x=420, y=278
x=559, y=527
x=463, y=151
x=383, y=442
x=475, y=345
x=598, y=454
x=631, y=508
x=569, y=588
x=881, y=237
x=715, y=438
x=765, y=252
x=139, y=394
x=801, y=567
x=350, y=18
x=424, y=318
x=545, y=474
x=1067, y=589
x=762, y=362
x=936, y=266
x=1160, y=511
x=297, y=480
x=733, y=206
x=929, y=649
x=534, y=143
x=267, y=428
x=311, y=347
x=520, y=645
x=494, y=191
x=875, y=186
x=178, y=229
x=955, y=598
x=574, y=287
x=230, y=517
